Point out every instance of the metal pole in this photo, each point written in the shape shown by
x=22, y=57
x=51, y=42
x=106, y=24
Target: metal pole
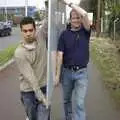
x=102, y=25
x=98, y=19
x=6, y=14
x=6, y=11
x=26, y=6
x=115, y=28
x=49, y=38
x=114, y=32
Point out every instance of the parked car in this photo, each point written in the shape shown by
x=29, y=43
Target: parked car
x=5, y=29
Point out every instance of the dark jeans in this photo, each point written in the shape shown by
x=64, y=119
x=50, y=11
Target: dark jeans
x=33, y=108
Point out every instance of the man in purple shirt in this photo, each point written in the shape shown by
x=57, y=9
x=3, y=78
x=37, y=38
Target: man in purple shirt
x=73, y=55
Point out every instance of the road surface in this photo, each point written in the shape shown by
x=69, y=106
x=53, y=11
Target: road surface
x=7, y=41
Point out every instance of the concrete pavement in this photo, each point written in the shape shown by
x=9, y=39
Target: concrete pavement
x=99, y=105
x=10, y=105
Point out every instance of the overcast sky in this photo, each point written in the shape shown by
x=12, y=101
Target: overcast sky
x=39, y=3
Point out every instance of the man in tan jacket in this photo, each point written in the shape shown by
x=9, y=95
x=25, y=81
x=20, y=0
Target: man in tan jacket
x=31, y=59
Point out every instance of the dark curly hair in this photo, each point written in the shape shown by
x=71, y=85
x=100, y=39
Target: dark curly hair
x=27, y=20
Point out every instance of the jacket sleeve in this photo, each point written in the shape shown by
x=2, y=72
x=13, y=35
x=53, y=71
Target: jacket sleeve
x=42, y=31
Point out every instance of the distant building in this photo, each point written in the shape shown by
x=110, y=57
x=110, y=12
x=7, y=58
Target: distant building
x=18, y=10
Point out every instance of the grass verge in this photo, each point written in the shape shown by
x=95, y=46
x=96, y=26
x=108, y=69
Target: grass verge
x=7, y=54
x=105, y=55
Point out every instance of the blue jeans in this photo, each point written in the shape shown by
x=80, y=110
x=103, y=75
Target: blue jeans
x=76, y=81
x=34, y=109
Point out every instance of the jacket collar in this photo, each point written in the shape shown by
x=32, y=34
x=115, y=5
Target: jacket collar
x=30, y=46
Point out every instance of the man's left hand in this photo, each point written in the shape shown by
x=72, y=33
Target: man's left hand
x=67, y=2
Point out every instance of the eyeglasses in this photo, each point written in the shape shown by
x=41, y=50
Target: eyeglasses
x=27, y=30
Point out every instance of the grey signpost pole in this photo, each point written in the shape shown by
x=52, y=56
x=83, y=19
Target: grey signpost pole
x=55, y=20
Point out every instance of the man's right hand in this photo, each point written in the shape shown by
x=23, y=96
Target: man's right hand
x=45, y=102
x=56, y=82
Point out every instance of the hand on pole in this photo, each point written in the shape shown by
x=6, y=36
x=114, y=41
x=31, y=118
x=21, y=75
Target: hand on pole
x=67, y=2
x=56, y=82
